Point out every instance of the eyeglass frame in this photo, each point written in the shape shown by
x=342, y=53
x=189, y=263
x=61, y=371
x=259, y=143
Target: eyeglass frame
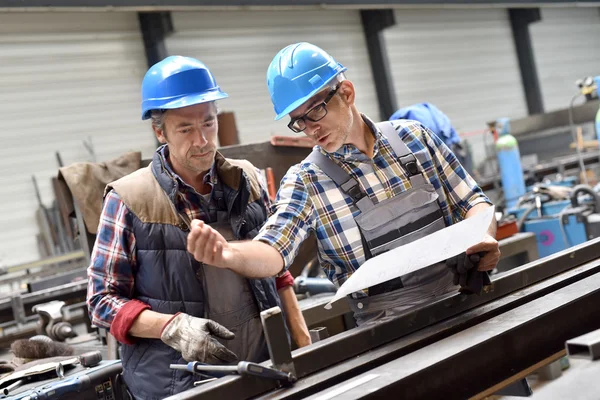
x=305, y=117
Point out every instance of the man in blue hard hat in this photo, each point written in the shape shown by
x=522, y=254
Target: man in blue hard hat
x=160, y=303
x=365, y=189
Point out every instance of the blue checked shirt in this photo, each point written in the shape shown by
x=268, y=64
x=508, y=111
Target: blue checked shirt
x=309, y=201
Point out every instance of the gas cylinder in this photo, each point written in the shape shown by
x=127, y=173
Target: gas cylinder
x=509, y=163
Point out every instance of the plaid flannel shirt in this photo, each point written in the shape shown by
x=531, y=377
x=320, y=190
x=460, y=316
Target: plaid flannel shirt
x=113, y=262
x=308, y=200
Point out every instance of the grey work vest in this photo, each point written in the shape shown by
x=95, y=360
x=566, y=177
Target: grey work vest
x=401, y=219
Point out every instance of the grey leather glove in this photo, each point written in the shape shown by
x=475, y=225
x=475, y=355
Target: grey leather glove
x=195, y=339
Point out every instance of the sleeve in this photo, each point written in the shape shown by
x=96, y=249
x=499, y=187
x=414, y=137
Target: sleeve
x=461, y=189
x=292, y=218
x=284, y=280
x=111, y=274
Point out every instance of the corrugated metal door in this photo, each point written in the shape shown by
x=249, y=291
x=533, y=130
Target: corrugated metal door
x=238, y=47
x=64, y=77
x=566, y=44
x=463, y=61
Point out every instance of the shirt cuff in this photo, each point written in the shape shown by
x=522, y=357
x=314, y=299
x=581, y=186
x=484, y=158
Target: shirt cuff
x=284, y=280
x=125, y=318
x=474, y=202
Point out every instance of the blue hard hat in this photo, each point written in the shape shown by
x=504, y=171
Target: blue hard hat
x=177, y=82
x=297, y=73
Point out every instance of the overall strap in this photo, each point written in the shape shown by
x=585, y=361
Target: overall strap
x=407, y=159
x=342, y=179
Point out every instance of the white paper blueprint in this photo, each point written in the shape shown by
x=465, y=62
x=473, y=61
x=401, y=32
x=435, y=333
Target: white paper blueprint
x=434, y=248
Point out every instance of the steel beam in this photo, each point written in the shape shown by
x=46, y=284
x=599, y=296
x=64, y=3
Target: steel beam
x=520, y=18
x=145, y=5
x=350, y=344
x=374, y=22
x=470, y=361
x=155, y=26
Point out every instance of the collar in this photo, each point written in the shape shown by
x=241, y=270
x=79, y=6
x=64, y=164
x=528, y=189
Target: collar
x=349, y=152
x=163, y=152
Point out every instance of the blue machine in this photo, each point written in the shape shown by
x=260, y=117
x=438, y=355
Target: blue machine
x=549, y=231
x=561, y=224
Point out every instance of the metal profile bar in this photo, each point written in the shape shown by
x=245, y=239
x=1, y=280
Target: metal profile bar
x=585, y=346
x=18, y=309
x=466, y=363
x=277, y=340
x=318, y=334
x=336, y=349
x=73, y=256
x=386, y=353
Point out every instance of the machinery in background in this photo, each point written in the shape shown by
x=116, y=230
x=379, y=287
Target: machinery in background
x=560, y=216
x=589, y=88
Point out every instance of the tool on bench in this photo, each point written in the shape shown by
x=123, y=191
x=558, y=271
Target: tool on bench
x=51, y=369
x=243, y=368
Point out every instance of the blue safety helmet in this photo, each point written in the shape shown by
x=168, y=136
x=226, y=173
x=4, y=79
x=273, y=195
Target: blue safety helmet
x=177, y=82
x=297, y=73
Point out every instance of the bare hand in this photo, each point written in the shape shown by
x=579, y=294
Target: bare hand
x=207, y=245
x=490, y=247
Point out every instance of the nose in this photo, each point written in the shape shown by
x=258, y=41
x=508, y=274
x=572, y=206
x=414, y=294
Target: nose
x=311, y=128
x=200, y=138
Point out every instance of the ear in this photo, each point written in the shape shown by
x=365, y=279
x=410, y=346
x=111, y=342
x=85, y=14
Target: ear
x=347, y=92
x=160, y=134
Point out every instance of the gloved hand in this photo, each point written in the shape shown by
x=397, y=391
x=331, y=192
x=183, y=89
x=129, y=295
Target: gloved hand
x=464, y=269
x=193, y=338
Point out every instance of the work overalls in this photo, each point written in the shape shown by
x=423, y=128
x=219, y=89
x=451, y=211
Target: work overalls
x=406, y=217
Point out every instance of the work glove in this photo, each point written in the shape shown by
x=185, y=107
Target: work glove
x=466, y=274
x=195, y=339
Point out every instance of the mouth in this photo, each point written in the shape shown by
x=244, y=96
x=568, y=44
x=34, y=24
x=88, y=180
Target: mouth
x=202, y=155
x=322, y=139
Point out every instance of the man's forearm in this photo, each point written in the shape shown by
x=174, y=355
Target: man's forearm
x=255, y=259
x=149, y=324
x=293, y=315
x=476, y=209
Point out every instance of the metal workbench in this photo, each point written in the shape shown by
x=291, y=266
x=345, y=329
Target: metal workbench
x=524, y=318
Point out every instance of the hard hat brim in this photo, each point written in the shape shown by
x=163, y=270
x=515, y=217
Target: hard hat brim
x=185, y=101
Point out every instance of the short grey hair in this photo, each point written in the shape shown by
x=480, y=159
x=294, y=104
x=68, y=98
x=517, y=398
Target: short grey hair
x=158, y=117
